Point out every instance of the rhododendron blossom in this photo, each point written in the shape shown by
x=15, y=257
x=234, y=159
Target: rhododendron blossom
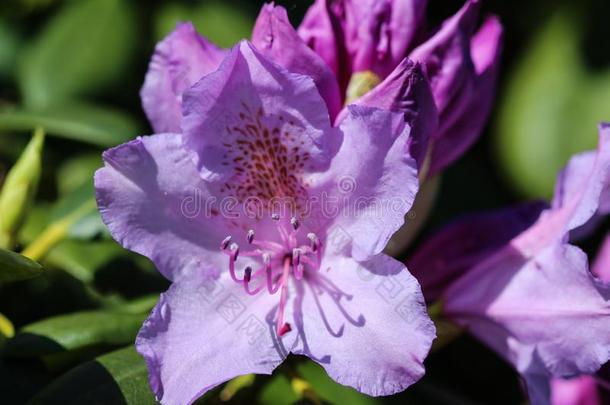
x=250, y=289
x=528, y=291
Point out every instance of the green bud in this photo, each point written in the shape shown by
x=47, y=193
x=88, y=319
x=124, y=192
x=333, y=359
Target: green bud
x=19, y=189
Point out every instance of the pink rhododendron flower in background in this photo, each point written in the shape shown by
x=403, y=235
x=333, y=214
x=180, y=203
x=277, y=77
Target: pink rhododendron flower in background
x=364, y=41
x=253, y=282
x=531, y=297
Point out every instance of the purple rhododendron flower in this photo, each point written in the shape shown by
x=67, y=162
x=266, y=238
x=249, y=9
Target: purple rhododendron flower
x=253, y=280
x=338, y=41
x=356, y=37
x=531, y=297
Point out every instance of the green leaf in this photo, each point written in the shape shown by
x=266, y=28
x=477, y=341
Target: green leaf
x=77, y=121
x=119, y=377
x=210, y=19
x=329, y=390
x=278, y=392
x=83, y=258
x=76, y=171
x=551, y=109
x=84, y=48
x=19, y=189
x=87, y=225
x=9, y=46
x=15, y=267
x=76, y=331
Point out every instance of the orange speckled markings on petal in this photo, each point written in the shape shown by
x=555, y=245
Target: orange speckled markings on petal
x=268, y=157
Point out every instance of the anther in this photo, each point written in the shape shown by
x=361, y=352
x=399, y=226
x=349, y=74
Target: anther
x=313, y=239
x=250, y=235
x=295, y=223
x=235, y=249
x=275, y=216
x=225, y=242
x=296, y=256
x=266, y=258
x=248, y=274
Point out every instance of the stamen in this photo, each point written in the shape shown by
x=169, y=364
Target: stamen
x=232, y=258
x=313, y=241
x=296, y=256
x=225, y=242
x=250, y=235
x=280, y=328
x=266, y=258
x=295, y=223
x=234, y=250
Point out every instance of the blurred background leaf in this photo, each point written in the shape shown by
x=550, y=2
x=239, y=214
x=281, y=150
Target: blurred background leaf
x=119, y=377
x=551, y=107
x=76, y=331
x=73, y=120
x=218, y=21
x=73, y=56
x=15, y=267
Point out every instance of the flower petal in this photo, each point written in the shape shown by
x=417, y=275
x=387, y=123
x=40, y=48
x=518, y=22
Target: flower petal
x=321, y=31
x=460, y=129
x=447, y=62
x=407, y=91
x=549, y=309
x=274, y=37
x=180, y=60
x=257, y=129
x=372, y=180
x=578, y=194
x=576, y=391
x=457, y=248
x=151, y=197
x=366, y=324
x=203, y=333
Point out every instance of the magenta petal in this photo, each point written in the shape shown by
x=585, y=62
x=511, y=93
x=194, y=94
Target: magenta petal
x=322, y=33
x=372, y=179
x=548, y=312
x=203, y=333
x=407, y=91
x=457, y=248
x=366, y=324
x=576, y=391
x=149, y=194
x=253, y=105
x=274, y=37
x=446, y=59
x=181, y=59
x=378, y=34
x=461, y=129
